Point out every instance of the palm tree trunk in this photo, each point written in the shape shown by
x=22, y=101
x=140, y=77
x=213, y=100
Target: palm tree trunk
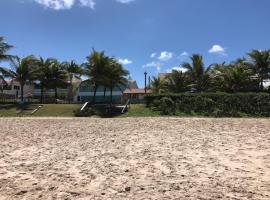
x=104, y=95
x=111, y=100
x=55, y=94
x=70, y=89
x=22, y=85
x=41, y=92
x=94, y=96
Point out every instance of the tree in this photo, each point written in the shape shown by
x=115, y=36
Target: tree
x=42, y=73
x=157, y=85
x=115, y=77
x=96, y=69
x=4, y=48
x=260, y=60
x=57, y=77
x=176, y=82
x=73, y=71
x=197, y=73
x=23, y=71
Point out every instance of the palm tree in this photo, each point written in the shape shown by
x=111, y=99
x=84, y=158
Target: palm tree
x=115, y=77
x=198, y=75
x=23, y=72
x=157, y=85
x=96, y=69
x=73, y=71
x=58, y=77
x=4, y=47
x=42, y=74
x=4, y=73
x=261, y=62
x=176, y=82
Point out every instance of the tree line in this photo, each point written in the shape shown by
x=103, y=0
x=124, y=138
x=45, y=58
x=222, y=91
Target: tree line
x=102, y=70
x=247, y=74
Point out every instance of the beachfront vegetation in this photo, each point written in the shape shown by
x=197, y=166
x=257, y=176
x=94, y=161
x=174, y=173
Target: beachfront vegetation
x=243, y=75
x=220, y=89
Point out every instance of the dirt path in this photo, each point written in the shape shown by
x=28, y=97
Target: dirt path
x=135, y=158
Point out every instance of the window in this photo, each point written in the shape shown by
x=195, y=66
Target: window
x=16, y=87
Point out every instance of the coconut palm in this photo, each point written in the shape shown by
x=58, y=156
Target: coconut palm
x=261, y=62
x=42, y=73
x=57, y=77
x=95, y=68
x=73, y=71
x=176, y=82
x=4, y=48
x=23, y=71
x=197, y=74
x=115, y=76
x=157, y=85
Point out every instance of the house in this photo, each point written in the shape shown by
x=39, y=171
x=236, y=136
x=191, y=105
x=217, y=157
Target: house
x=50, y=92
x=85, y=92
x=135, y=95
x=13, y=89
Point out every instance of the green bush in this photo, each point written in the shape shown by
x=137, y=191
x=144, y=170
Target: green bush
x=212, y=104
x=165, y=105
x=87, y=112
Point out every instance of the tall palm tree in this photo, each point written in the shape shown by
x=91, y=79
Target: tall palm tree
x=58, y=77
x=95, y=68
x=197, y=73
x=73, y=71
x=23, y=71
x=4, y=48
x=42, y=73
x=261, y=62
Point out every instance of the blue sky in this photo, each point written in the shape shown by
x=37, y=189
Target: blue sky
x=145, y=35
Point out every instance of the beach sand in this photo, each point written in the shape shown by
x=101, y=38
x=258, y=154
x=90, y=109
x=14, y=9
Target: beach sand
x=135, y=158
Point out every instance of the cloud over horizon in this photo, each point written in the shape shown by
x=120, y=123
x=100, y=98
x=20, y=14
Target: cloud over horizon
x=68, y=4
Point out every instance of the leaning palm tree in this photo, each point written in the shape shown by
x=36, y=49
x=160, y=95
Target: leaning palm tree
x=23, y=71
x=74, y=71
x=4, y=48
x=261, y=62
x=197, y=73
x=95, y=68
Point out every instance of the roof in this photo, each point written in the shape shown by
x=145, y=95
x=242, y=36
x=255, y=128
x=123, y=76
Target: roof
x=136, y=91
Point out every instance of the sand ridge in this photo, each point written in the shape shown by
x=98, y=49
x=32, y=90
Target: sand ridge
x=134, y=158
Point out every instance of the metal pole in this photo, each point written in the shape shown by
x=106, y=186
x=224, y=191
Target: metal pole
x=145, y=84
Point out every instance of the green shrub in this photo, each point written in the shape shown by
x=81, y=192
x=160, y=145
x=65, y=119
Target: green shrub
x=212, y=104
x=87, y=112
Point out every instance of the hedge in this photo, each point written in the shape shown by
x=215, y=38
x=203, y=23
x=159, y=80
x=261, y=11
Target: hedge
x=212, y=104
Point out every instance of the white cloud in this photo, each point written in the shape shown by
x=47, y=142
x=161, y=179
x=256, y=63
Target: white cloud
x=153, y=55
x=217, y=49
x=153, y=64
x=165, y=56
x=184, y=54
x=88, y=3
x=125, y=61
x=177, y=69
x=68, y=4
x=56, y=4
x=125, y=1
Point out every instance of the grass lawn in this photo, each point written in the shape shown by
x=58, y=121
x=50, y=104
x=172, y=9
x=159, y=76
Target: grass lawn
x=139, y=110
x=47, y=110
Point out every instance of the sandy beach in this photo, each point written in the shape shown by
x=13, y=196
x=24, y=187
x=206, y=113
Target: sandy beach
x=135, y=158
